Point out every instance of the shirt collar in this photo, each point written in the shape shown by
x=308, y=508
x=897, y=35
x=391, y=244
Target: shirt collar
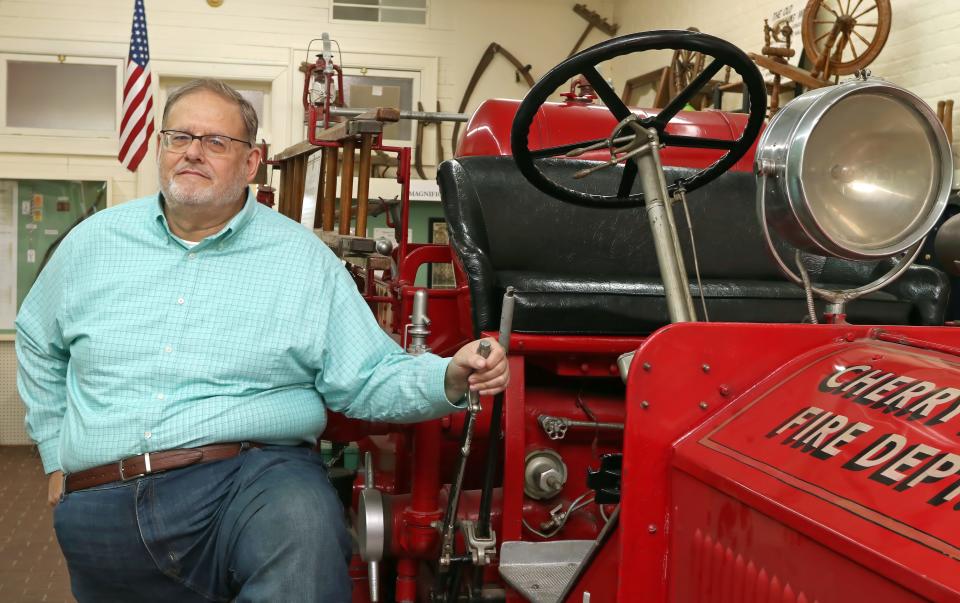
x=236, y=224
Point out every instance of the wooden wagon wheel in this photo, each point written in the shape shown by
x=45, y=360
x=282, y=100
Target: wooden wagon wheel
x=843, y=36
x=685, y=66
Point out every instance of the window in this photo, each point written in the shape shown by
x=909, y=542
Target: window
x=381, y=11
x=70, y=98
x=257, y=94
x=377, y=89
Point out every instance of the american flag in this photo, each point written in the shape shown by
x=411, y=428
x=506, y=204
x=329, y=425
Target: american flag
x=136, y=126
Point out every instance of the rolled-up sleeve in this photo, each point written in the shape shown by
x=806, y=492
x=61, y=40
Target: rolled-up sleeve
x=42, y=356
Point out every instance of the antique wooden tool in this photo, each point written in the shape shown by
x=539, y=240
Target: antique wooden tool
x=839, y=38
x=660, y=77
x=594, y=21
x=346, y=186
x=330, y=160
x=364, y=127
x=422, y=125
x=684, y=67
x=364, y=131
x=523, y=70
x=424, y=119
x=780, y=33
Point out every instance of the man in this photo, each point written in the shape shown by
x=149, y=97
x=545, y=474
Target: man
x=176, y=355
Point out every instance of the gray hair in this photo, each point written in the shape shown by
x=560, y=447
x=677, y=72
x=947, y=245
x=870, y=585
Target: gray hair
x=247, y=112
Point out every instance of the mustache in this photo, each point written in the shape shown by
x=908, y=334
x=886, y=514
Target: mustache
x=192, y=170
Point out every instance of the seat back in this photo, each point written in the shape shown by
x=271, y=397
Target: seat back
x=571, y=265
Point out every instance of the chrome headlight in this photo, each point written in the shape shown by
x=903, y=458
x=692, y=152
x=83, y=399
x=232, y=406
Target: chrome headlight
x=860, y=171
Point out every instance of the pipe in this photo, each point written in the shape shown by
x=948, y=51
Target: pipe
x=493, y=446
x=406, y=527
x=411, y=115
x=407, y=580
x=426, y=478
x=424, y=504
x=657, y=201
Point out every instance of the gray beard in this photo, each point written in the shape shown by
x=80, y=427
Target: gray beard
x=219, y=196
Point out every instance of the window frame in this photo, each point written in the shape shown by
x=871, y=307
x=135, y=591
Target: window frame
x=351, y=4
x=31, y=140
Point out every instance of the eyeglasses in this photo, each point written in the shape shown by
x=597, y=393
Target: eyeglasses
x=214, y=144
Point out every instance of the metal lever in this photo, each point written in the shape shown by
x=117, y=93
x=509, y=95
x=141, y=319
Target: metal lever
x=605, y=143
x=485, y=538
x=450, y=517
x=473, y=398
x=637, y=144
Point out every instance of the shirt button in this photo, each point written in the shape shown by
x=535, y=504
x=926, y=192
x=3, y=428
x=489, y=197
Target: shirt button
x=180, y=301
x=168, y=349
x=147, y=434
x=192, y=255
x=160, y=396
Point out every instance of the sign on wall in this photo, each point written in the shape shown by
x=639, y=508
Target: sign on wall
x=35, y=215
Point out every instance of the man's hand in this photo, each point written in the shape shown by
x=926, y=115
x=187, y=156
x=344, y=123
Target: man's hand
x=468, y=369
x=54, y=488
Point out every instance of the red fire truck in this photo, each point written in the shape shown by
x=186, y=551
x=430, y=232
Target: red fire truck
x=731, y=380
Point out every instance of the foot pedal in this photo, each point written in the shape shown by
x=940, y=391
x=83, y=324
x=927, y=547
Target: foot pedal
x=540, y=570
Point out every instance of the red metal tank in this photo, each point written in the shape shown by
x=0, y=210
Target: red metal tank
x=488, y=131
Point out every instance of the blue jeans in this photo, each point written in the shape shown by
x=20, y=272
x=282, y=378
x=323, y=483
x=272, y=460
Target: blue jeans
x=265, y=526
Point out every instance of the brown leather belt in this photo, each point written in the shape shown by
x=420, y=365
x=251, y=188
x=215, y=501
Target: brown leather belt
x=153, y=462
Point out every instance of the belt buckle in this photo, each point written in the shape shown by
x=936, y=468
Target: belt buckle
x=146, y=461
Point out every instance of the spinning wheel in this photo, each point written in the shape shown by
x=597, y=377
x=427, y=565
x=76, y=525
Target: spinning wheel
x=843, y=36
x=685, y=66
x=631, y=135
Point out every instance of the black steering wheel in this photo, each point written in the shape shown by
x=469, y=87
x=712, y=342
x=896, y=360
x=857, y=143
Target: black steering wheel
x=723, y=54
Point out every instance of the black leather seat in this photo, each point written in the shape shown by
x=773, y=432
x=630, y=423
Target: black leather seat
x=593, y=271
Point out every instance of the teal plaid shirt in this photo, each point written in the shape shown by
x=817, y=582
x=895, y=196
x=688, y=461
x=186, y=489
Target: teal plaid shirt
x=131, y=342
